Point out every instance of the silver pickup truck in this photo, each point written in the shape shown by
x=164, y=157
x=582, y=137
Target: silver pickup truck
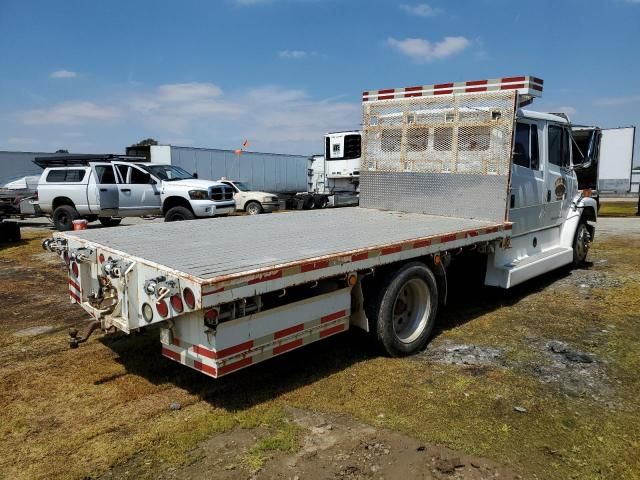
x=107, y=188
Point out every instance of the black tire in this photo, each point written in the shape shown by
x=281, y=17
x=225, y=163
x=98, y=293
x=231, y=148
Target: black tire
x=63, y=217
x=110, y=221
x=308, y=203
x=177, y=214
x=253, y=208
x=321, y=201
x=402, y=309
x=581, y=243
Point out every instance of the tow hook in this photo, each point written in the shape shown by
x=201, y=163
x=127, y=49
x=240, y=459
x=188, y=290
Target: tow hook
x=76, y=340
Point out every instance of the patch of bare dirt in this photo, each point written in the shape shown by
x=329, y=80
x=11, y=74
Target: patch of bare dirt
x=330, y=448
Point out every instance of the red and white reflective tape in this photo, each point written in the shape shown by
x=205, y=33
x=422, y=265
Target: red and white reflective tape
x=353, y=258
x=75, y=292
x=525, y=84
x=216, y=363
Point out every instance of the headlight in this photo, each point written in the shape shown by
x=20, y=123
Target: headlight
x=198, y=194
x=270, y=199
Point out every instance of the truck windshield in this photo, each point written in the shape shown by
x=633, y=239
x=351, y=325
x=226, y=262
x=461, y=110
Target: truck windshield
x=242, y=186
x=168, y=173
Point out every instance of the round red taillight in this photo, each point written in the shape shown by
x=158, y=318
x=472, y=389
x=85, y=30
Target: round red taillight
x=176, y=303
x=163, y=308
x=211, y=315
x=189, y=298
x=74, y=269
x=101, y=258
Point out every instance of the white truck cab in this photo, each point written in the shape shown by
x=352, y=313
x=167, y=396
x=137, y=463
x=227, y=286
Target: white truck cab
x=107, y=188
x=252, y=201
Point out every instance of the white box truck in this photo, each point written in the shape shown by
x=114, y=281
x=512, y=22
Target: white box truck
x=445, y=168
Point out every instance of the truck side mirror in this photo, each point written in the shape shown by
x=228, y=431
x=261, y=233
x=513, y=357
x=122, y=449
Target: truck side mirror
x=195, y=174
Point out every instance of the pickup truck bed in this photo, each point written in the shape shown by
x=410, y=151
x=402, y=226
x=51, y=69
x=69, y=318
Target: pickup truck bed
x=210, y=251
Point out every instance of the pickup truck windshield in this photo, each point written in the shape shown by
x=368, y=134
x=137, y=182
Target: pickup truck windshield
x=243, y=187
x=168, y=173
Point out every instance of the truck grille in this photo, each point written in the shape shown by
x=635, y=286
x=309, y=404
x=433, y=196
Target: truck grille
x=221, y=193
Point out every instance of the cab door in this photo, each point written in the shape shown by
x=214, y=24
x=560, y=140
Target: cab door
x=526, y=209
x=102, y=191
x=559, y=180
x=138, y=192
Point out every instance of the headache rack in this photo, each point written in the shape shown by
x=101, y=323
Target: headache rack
x=81, y=159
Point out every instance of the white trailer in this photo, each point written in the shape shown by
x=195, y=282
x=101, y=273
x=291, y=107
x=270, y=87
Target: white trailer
x=476, y=172
x=334, y=177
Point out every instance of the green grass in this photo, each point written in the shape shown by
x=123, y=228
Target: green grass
x=618, y=209
x=77, y=414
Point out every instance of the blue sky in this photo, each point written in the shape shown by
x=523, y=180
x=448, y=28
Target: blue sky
x=95, y=76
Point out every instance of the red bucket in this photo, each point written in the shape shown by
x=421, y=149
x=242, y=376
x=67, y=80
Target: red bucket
x=80, y=224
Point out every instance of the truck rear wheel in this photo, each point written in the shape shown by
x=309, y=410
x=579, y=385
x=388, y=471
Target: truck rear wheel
x=63, y=217
x=177, y=214
x=110, y=221
x=403, y=309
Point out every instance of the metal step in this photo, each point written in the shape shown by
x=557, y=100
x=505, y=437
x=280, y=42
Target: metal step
x=523, y=269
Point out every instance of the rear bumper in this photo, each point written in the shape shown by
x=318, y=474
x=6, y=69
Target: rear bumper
x=207, y=208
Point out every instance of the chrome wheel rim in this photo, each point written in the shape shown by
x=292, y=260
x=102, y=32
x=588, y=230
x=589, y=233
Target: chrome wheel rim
x=252, y=209
x=582, y=243
x=411, y=310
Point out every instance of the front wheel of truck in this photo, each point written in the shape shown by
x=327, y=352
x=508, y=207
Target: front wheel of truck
x=177, y=214
x=403, y=309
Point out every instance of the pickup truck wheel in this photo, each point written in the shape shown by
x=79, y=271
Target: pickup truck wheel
x=109, y=221
x=404, y=310
x=177, y=214
x=63, y=217
x=581, y=243
x=253, y=208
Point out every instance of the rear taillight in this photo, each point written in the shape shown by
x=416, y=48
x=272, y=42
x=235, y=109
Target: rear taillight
x=101, y=258
x=74, y=269
x=162, y=308
x=189, y=298
x=210, y=316
x=176, y=303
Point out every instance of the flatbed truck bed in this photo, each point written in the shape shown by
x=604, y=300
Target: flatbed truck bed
x=214, y=251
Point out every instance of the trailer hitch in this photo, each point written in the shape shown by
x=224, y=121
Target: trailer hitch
x=76, y=340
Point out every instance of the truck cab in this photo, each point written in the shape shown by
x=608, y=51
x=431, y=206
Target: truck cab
x=107, y=188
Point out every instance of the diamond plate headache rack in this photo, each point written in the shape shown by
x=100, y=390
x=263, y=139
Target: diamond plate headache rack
x=527, y=86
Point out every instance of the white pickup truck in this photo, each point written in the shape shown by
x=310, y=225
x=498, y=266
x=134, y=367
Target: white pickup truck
x=446, y=169
x=109, y=187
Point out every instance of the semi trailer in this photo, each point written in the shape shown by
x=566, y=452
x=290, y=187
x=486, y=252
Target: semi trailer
x=445, y=169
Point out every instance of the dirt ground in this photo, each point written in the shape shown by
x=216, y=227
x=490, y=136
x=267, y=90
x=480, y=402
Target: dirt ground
x=538, y=382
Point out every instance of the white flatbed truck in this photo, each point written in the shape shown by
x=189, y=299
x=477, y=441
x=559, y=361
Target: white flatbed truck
x=445, y=168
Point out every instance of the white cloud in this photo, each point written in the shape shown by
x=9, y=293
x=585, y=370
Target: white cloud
x=297, y=54
x=185, y=92
x=200, y=114
x=616, y=101
x=69, y=113
x=63, y=74
x=420, y=10
x=422, y=50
